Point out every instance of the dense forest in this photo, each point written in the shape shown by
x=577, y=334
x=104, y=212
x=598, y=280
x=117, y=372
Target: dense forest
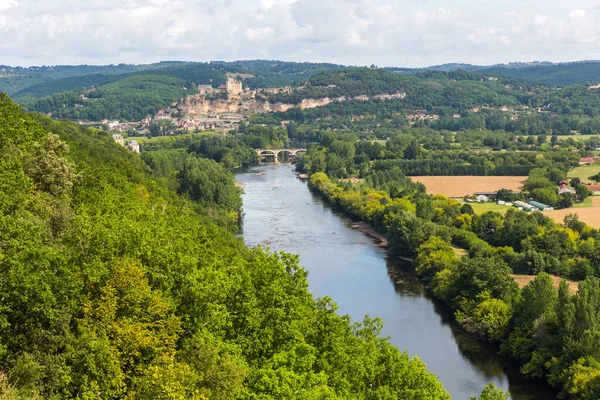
x=582, y=72
x=123, y=279
x=467, y=260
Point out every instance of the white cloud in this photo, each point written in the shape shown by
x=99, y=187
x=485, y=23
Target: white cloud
x=6, y=4
x=359, y=32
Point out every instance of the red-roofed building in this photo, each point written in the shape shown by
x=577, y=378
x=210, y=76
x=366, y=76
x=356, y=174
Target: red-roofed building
x=594, y=188
x=586, y=160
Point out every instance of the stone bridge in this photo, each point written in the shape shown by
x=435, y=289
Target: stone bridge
x=265, y=153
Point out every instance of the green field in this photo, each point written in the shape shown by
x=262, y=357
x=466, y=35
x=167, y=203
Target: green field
x=584, y=172
x=584, y=204
x=481, y=208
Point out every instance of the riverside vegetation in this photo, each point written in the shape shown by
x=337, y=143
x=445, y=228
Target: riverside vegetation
x=553, y=334
x=121, y=282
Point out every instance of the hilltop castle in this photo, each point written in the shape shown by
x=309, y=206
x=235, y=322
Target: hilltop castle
x=232, y=88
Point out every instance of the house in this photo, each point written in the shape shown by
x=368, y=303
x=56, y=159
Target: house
x=586, y=160
x=482, y=198
x=113, y=124
x=595, y=189
x=563, y=187
x=205, y=89
x=119, y=139
x=134, y=146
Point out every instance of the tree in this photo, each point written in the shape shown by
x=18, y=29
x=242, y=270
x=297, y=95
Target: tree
x=209, y=183
x=582, y=192
x=433, y=256
x=505, y=195
x=491, y=393
x=412, y=150
x=49, y=167
x=467, y=209
x=546, y=196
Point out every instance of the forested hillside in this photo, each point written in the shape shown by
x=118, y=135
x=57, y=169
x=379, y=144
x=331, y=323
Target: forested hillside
x=133, y=92
x=561, y=74
x=586, y=72
x=14, y=79
x=121, y=282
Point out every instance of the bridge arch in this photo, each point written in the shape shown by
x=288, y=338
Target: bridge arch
x=264, y=153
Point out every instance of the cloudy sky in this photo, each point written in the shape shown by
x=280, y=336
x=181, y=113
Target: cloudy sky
x=407, y=33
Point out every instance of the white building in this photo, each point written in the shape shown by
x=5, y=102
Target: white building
x=134, y=146
x=118, y=139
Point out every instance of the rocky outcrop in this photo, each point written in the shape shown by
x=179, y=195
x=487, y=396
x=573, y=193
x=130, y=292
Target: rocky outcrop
x=199, y=105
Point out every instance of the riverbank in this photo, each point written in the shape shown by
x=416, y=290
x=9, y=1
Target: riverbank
x=409, y=233
x=367, y=229
x=352, y=268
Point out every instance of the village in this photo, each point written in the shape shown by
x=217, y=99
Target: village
x=221, y=109
x=216, y=109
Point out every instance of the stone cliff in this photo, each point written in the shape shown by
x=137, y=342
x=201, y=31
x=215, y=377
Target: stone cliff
x=198, y=105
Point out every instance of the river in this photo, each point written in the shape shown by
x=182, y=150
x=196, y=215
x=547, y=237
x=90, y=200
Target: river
x=360, y=276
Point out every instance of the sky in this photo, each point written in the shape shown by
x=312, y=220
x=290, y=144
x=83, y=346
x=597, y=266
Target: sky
x=403, y=33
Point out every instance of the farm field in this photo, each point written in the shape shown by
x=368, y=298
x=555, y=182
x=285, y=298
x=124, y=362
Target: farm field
x=584, y=172
x=461, y=186
x=524, y=280
x=590, y=215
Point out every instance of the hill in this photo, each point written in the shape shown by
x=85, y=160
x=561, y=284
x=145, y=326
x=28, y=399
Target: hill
x=134, y=92
x=121, y=283
x=14, y=79
x=587, y=72
x=560, y=74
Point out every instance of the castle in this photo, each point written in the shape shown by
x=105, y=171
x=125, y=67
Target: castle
x=232, y=88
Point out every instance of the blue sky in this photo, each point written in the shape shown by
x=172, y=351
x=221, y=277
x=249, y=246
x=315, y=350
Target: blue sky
x=407, y=33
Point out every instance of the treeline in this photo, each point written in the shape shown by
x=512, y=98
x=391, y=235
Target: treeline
x=230, y=151
x=342, y=156
x=114, y=286
x=451, y=168
x=549, y=332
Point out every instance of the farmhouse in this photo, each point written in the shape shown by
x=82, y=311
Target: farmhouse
x=595, y=189
x=586, y=160
x=563, y=187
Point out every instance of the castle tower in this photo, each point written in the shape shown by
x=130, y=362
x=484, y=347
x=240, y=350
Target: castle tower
x=234, y=87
